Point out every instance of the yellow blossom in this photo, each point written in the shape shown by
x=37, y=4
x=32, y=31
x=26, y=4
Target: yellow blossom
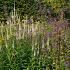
x=1, y=40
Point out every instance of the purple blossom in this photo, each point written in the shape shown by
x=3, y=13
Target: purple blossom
x=67, y=63
x=29, y=21
x=60, y=25
x=50, y=20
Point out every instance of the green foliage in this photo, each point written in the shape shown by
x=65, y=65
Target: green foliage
x=56, y=5
x=17, y=57
x=32, y=7
x=39, y=46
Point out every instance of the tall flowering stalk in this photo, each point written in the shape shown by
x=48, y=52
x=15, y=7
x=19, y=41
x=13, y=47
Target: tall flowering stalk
x=7, y=36
x=2, y=30
x=19, y=26
x=10, y=29
x=24, y=28
x=14, y=13
x=33, y=43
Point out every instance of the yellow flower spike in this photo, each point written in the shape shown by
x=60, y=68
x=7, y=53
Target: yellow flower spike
x=1, y=40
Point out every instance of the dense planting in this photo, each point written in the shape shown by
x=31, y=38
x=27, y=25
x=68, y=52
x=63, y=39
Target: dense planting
x=29, y=45
x=35, y=35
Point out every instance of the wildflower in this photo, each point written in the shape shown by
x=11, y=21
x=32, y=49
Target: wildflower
x=67, y=63
x=29, y=21
x=1, y=40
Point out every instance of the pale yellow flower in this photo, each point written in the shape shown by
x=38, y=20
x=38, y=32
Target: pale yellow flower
x=1, y=40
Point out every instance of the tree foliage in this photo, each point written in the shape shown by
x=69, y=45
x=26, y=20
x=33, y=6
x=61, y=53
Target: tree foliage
x=33, y=7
